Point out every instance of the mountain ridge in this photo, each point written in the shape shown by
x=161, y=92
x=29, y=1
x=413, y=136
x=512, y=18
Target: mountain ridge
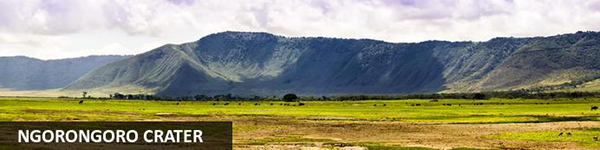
x=259, y=63
x=27, y=73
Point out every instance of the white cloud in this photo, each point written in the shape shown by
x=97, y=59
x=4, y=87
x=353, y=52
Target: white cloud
x=70, y=28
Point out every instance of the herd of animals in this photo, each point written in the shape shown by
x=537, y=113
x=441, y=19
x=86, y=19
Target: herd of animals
x=569, y=134
x=302, y=104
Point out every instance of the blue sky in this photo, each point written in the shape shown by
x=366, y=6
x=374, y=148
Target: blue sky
x=51, y=29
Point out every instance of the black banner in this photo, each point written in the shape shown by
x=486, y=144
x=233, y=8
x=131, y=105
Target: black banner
x=116, y=135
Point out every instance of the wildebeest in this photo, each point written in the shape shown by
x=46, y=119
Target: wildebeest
x=569, y=134
x=418, y=105
x=271, y=103
x=226, y=103
x=177, y=103
x=594, y=108
x=560, y=134
x=301, y=104
x=384, y=104
x=595, y=138
x=374, y=104
x=214, y=104
x=81, y=102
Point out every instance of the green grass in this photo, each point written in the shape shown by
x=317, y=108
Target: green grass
x=464, y=148
x=379, y=147
x=583, y=137
x=493, y=111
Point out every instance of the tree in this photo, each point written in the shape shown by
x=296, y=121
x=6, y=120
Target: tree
x=290, y=97
x=479, y=96
x=84, y=93
x=200, y=97
x=118, y=96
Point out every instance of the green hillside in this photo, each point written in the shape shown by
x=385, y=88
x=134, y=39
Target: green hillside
x=246, y=63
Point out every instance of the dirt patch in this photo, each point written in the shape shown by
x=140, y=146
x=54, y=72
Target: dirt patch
x=332, y=119
x=439, y=136
x=415, y=134
x=165, y=114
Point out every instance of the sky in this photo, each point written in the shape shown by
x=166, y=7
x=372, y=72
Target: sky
x=54, y=29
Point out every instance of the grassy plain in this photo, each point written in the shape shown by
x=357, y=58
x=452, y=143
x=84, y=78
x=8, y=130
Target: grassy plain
x=376, y=124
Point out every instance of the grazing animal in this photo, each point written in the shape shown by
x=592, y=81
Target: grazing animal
x=374, y=104
x=81, y=102
x=418, y=105
x=214, y=104
x=569, y=134
x=226, y=103
x=595, y=138
x=271, y=103
x=177, y=103
x=384, y=104
x=560, y=134
x=301, y=104
x=594, y=108
x=412, y=105
x=239, y=103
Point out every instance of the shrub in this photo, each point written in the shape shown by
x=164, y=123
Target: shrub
x=290, y=97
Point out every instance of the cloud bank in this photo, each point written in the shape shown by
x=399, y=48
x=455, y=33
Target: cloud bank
x=52, y=29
